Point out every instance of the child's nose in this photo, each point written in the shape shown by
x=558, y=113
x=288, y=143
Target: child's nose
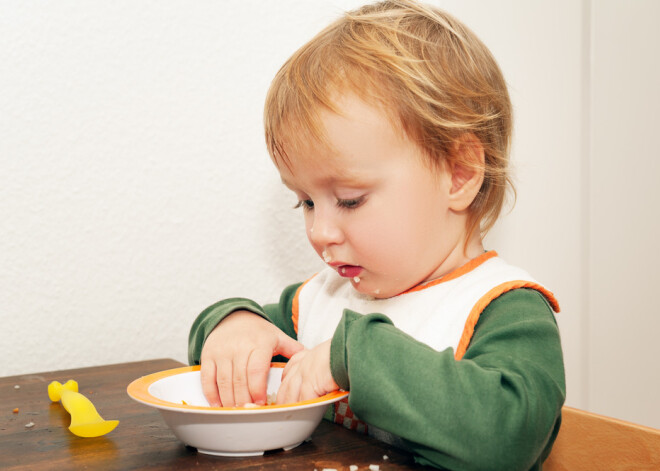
x=325, y=229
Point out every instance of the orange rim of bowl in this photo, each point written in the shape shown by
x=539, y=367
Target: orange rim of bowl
x=139, y=390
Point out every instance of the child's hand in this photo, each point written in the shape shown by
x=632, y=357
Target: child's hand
x=307, y=375
x=236, y=359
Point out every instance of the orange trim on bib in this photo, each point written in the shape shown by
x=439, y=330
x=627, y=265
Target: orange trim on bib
x=460, y=271
x=486, y=299
x=295, y=304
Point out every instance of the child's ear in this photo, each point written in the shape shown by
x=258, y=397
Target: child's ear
x=467, y=171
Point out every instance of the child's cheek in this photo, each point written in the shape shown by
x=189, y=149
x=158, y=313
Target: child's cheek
x=309, y=230
x=310, y=237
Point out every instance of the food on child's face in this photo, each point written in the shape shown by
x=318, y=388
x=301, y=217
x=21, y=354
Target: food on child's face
x=326, y=258
x=349, y=271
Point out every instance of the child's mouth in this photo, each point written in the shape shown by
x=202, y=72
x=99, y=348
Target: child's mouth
x=349, y=271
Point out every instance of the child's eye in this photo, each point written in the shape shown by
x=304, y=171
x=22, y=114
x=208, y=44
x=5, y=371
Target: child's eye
x=305, y=204
x=350, y=203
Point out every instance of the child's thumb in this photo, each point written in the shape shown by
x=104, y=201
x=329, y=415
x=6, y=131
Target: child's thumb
x=287, y=346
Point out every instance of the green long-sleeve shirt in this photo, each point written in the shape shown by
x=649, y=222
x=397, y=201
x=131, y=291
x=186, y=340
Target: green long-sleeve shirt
x=499, y=407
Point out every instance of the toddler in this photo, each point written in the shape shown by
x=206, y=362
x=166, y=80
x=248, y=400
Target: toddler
x=392, y=128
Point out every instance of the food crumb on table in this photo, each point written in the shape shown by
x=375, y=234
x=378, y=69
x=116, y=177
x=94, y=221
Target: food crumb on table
x=29, y=425
x=374, y=467
x=17, y=386
x=385, y=457
x=353, y=467
x=15, y=411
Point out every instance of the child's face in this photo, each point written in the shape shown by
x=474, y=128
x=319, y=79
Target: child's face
x=374, y=209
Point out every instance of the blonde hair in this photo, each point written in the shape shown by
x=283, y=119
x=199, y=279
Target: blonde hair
x=433, y=76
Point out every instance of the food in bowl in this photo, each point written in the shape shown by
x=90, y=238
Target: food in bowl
x=229, y=431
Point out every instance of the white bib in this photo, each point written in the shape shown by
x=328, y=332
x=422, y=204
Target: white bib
x=441, y=313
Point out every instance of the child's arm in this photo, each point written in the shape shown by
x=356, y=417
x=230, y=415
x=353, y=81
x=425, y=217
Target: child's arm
x=497, y=408
x=235, y=340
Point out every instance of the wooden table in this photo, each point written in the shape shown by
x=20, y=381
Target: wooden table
x=142, y=440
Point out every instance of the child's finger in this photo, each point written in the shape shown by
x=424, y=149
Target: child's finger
x=307, y=392
x=209, y=384
x=257, y=375
x=290, y=387
x=224, y=381
x=290, y=365
x=240, y=381
x=286, y=346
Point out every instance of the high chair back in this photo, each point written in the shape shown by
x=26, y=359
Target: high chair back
x=589, y=441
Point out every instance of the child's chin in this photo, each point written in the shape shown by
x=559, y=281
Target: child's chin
x=364, y=288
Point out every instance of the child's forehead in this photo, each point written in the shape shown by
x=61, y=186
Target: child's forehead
x=345, y=147
x=323, y=168
x=314, y=133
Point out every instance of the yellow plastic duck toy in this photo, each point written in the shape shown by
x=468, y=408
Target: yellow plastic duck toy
x=85, y=420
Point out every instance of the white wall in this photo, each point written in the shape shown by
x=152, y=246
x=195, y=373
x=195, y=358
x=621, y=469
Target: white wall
x=135, y=188
x=624, y=196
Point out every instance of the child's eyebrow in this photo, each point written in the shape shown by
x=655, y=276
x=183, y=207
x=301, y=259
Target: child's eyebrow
x=344, y=179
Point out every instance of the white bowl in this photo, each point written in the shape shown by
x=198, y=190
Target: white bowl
x=229, y=431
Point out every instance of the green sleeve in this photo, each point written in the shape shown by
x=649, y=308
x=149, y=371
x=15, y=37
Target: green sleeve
x=279, y=314
x=497, y=408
